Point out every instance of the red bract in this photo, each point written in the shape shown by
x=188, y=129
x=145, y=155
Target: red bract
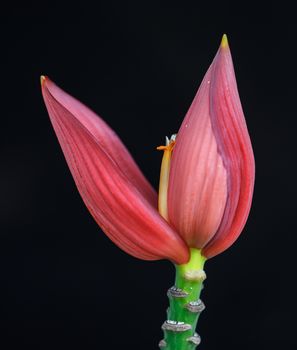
x=114, y=190
x=212, y=170
x=211, y=174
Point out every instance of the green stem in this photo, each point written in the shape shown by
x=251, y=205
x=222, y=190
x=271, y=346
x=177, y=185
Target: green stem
x=185, y=305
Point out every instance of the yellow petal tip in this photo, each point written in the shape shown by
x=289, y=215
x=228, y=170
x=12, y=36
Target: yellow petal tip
x=224, y=42
x=42, y=79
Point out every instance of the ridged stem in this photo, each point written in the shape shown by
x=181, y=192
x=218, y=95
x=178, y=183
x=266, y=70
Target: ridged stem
x=184, y=305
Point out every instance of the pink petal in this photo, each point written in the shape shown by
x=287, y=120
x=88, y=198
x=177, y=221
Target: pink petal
x=212, y=170
x=109, y=186
x=235, y=147
x=106, y=137
x=197, y=191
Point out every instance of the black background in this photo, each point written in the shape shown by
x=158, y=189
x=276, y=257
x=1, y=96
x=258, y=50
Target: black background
x=64, y=285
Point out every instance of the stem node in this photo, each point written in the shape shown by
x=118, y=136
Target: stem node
x=195, y=306
x=176, y=326
x=162, y=343
x=177, y=293
x=195, y=275
x=195, y=339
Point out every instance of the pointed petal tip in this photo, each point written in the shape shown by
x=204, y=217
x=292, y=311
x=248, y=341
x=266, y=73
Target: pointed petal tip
x=224, y=42
x=42, y=79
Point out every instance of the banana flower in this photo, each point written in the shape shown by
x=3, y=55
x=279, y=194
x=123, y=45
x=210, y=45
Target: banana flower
x=206, y=183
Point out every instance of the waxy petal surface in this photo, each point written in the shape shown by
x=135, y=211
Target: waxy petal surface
x=235, y=147
x=212, y=173
x=116, y=201
x=105, y=137
x=197, y=191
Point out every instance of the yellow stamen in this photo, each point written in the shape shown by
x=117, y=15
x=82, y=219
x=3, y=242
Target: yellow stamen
x=164, y=176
